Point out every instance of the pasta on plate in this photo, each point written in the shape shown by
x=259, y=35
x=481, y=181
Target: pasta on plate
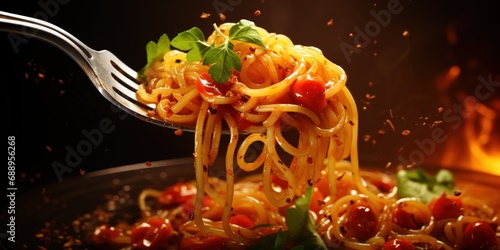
x=258, y=88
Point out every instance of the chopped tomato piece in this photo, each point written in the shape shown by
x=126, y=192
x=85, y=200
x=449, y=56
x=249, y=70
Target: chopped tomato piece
x=309, y=91
x=207, y=86
x=104, y=234
x=399, y=244
x=202, y=242
x=178, y=193
x=383, y=184
x=278, y=182
x=404, y=218
x=240, y=120
x=444, y=207
x=152, y=234
x=241, y=220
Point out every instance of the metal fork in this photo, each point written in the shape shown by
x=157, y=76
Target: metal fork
x=113, y=79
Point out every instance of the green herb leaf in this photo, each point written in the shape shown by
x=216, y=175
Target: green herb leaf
x=156, y=50
x=418, y=183
x=222, y=60
x=300, y=224
x=245, y=31
x=192, y=40
x=266, y=242
x=297, y=217
x=301, y=229
x=282, y=238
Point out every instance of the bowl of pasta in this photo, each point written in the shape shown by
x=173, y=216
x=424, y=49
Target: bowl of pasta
x=115, y=208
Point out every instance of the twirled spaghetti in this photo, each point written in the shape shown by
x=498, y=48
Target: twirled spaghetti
x=261, y=95
x=282, y=88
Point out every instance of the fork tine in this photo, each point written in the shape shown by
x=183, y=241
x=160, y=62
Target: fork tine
x=125, y=89
x=125, y=70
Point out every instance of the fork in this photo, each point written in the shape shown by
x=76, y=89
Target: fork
x=116, y=81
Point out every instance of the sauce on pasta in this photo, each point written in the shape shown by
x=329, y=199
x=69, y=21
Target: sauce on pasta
x=281, y=88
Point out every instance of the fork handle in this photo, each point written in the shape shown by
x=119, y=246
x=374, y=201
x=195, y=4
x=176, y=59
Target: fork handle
x=45, y=31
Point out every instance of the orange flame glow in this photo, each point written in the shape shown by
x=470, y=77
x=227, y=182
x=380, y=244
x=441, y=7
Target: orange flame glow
x=476, y=145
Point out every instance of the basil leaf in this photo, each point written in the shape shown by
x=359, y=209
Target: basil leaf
x=282, y=238
x=192, y=40
x=301, y=229
x=198, y=53
x=155, y=50
x=418, y=183
x=245, y=31
x=222, y=60
x=297, y=217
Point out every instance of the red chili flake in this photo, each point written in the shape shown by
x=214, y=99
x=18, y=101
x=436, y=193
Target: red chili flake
x=257, y=13
x=330, y=22
x=310, y=182
x=178, y=132
x=151, y=113
x=309, y=160
x=148, y=164
x=366, y=137
x=222, y=17
x=204, y=15
x=82, y=171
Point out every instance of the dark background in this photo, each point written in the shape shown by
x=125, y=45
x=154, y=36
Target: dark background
x=49, y=101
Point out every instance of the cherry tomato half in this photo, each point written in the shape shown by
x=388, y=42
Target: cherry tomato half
x=241, y=220
x=309, y=91
x=207, y=86
x=104, y=234
x=444, y=207
x=241, y=122
x=399, y=244
x=361, y=222
x=479, y=235
x=404, y=218
x=178, y=193
x=152, y=234
x=202, y=242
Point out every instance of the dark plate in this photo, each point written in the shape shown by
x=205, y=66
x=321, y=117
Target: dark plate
x=46, y=217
